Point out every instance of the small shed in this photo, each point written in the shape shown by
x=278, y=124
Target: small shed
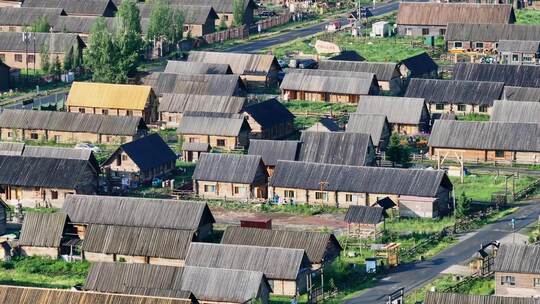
x=191, y=151
x=325, y=124
x=375, y=125
x=381, y=29
x=269, y=120
x=364, y=221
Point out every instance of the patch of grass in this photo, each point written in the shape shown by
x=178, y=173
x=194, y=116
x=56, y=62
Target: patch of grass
x=481, y=187
x=527, y=16
x=473, y=117
x=480, y=286
x=418, y=225
x=309, y=112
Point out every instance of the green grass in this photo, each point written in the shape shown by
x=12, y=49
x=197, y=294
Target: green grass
x=527, y=16
x=481, y=187
x=480, y=286
x=309, y=112
x=43, y=272
x=473, y=117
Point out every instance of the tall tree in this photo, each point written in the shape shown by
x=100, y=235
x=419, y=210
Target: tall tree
x=128, y=38
x=40, y=25
x=102, y=55
x=68, y=60
x=463, y=206
x=397, y=153
x=239, y=8
x=45, y=60
x=165, y=22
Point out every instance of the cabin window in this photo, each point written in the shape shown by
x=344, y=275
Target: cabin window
x=186, y=28
x=239, y=190
x=408, y=31
x=82, y=110
x=10, y=134
x=192, y=139
x=439, y=106
x=425, y=31
x=461, y=107
x=515, y=57
x=458, y=44
x=536, y=282
x=527, y=58
x=499, y=153
x=442, y=32
x=3, y=57
x=105, y=112
x=225, y=17
x=54, y=194
x=34, y=136
x=479, y=45
x=482, y=109
x=508, y=280
x=18, y=57
x=129, y=113
x=37, y=191
x=221, y=142
x=351, y=198
x=289, y=193
x=124, y=157
x=57, y=138
x=30, y=58
x=319, y=195
x=119, y=160
x=209, y=188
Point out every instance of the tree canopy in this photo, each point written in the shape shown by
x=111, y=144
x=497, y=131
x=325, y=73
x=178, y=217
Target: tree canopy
x=397, y=153
x=165, y=22
x=239, y=7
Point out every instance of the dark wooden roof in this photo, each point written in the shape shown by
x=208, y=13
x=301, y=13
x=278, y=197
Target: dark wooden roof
x=276, y=263
x=57, y=43
x=480, y=135
x=510, y=74
x=232, y=168
x=419, y=65
x=455, y=91
x=491, y=32
x=517, y=259
x=269, y=113
x=212, y=123
x=364, y=215
x=516, y=111
x=241, y=63
x=184, y=67
x=335, y=148
x=27, y=16
x=61, y=153
x=139, y=212
x=315, y=244
x=519, y=46
x=76, y=7
x=193, y=14
x=344, y=84
x=324, y=124
x=220, y=6
x=521, y=93
x=384, y=71
x=207, y=84
x=180, y=103
x=455, y=298
x=79, y=24
x=372, y=124
x=348, y=56
x=43, y=229
x=273, y=150
x=304, y=175
x=398, y=110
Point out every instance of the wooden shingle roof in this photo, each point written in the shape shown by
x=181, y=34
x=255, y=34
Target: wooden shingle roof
x=515, y=258
x=357, y=214
x=220, y=6
x=241, y=63
x=57, y=43
x=509, y=74
x=11, y=148
x=341, y=148
x=398, y=110
x=414, y=13
x=485, y=135
x=521, y=93
x=193, y=14
x=276, y=263
x=208, y=84
x=521, y=46
x=304, y=175
x=384, y=71
x=455, y=298
x=184, y=67
x=43, y=229
x=211, y=123
x=109, y=96
x=79, y=24
x=232, y=168
x=491, y=32
x=61, y=153
x=273, y=150
x=315, y=244
x=75, y=7
x=516, y=111
x=269, y=113
x=324, y=124
x=372, y=124
x=27, y=16
x=323, y=82
x=180, y=103
x=454, y=91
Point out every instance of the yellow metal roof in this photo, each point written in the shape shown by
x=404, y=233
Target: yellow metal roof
x=105, y=95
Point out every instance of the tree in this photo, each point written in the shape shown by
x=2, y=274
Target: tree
x=463, y=206
x=40, y=25
x=45, y=60
x=222, y=24
x=56, y=68
x=397, y=153
x=165, y=22
x=68, y=60
x=102, y=55
x=127, y=37
x=239, y=8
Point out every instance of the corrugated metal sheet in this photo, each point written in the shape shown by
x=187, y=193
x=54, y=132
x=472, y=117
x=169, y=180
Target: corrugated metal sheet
x=521, y=93
x=491, y=32
x=86, y=7
x=180, y=103
x=304, y=175
x=184, y=67
x=455, y=92
x=208, y=123
x=364, y=215
x=485, y=135
x=516, y=111
x=384, y=71
x=106, y=95
x=241, y=63
x=273, y=150
x=57, y=43
x=411, y=13
x=315, y=244
x=516, y=258
x=455, y=298
x=335, y=148
x=26, y=16
x=330, y=84
x=232, y=168
x=510, y=74
x=220, y=85
x=398, y=110
x=138, y=241
x=372, y=124
x=42, y=229
x=139, y=212
x=275, y=263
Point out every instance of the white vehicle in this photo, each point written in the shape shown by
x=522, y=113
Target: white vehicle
x=88, y=146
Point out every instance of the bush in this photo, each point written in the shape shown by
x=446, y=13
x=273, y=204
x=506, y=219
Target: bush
x=50, y=267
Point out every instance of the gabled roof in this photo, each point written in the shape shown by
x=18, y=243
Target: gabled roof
x=420, y=64
x=184, y=67
x=304, y=175
x=372, y=124
x=147, y=152
x=208, y=123
x=456, y=298
x=43, y=229
x=516, y=111
x=241, y=63
x=485, y=135
x=180, y=103
x=42, y=172
x=134, y=211
x=324, y=124
x=357, y=214
x=269, y=113
x=27, y=16
x=75, y=7
x=348, y=56
x=276, y=263
x=208, y=84
x=412, y=13
x=521, y=93
x=206, y=284
x=62, y=153
x=109, y=96
x=79, y=24
x=491, y=32
x=137, y=241
x=514, y=258
x=232, y=168
x=273, y=150
x=57, y=43
x=221, y=6
x=384, y=71
x=510, y=74
x=455, y=91
x=193, y=14
x=335, y=148
x=301, y=81
x=521, y=46
x=398, y=110
x=71, y=122
x=315, y=244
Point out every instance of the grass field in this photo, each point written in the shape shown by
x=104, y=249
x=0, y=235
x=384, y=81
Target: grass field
x=305, y=110
x=527, y=16
x=481, y=187
x=481, y=286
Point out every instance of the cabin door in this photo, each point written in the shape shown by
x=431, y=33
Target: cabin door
x=189, y=156
x=8, y=192
x=18, y=193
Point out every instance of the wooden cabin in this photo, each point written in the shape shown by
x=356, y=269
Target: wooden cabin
x=388, y=74
x=485, y=141
x=273, y=150
x=342, y=148
x=88, y=8
x=69, y=128
x=454, y=298
x=197, y=68
x=342, y=186
x=207, y=84
x=85, y=210
x=230, y=176
x=321, y=248
x=432, y=19
x=419, y=66
x=376, y=125
x=224, y=10
x=516, y=271
x=406, y=115
x=16, y=19
x=43, y=181
x=114, y=100
x=269, y=120
x=328, y=86
x=222, y=131
x=286, y=269
x=519, y=51
x=208, y=285
x=456, y=96
x=516, y=111
x=140, y=161
x=254, y=69
x=199, y=20
x=17, y=54
x=509, y=74
x=364, y=221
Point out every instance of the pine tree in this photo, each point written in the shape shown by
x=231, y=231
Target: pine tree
x=397, y=153
x=239, y=7
x=57, y=68
x=68, y=60
x=463, y=206
x=45, y=60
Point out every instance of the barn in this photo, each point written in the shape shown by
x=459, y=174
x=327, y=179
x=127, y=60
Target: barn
x=509, y=74
x=42, y=234
x=196, y=84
